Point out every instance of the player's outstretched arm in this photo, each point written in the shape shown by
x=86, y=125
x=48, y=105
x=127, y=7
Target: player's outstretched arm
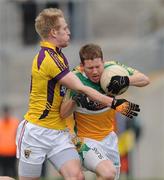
x=72, y=82
x=138, y=79
x=118, y=83
x=122, y=106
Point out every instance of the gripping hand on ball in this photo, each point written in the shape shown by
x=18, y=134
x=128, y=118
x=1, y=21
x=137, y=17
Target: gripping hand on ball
x=117, y=84
x=125, y=107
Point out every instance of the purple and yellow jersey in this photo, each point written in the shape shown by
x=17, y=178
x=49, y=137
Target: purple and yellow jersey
x=99, y=123
x=46, y=94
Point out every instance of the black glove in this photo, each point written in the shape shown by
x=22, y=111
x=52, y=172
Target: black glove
x=117, y=83
x=125, y=107
x=83, y=101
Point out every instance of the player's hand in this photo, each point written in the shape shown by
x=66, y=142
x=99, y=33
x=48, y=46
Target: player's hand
x=125, y=107
x=78, y=142
x=83, y=101
x=118, y=83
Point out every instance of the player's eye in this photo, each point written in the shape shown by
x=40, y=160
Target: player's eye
x=90, y=68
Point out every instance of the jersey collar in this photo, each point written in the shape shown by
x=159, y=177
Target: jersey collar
x=50, y=45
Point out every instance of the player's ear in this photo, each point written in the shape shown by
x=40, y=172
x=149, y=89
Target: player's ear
x=81, y=66
x=53, y=32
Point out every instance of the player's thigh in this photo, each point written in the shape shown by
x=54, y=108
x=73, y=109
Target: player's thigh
x=31, y=150
x=110, y=146
x=67, y=162
x=96, y=161
x=93, y=157
x=106, y=169
x=29, y=171
x=72, y=169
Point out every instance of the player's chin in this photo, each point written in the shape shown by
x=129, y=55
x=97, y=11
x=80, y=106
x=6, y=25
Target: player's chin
x=95, y=80
x=66, y=44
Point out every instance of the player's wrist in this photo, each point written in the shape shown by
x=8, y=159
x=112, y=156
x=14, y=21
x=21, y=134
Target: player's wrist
x=117, y=102
x=111, y=104
x=127, y=80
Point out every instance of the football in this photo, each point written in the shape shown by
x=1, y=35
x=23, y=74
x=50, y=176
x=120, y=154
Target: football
x=108, y=73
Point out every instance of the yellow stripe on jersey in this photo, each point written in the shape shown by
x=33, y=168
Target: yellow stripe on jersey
x=49, y=66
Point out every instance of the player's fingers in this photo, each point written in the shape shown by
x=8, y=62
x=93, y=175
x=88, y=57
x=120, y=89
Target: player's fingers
x=133, y=113
x=109, y=88
x=130, y=113
x=131, y=116
x=110, y=91
x=134, y=107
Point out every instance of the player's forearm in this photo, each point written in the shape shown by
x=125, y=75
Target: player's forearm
x=67, y=108
x=71, y=81
x=95, y=95
x=139, y=80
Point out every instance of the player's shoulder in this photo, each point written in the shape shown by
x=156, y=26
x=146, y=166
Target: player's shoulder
x=78, y=71
x=110, y=63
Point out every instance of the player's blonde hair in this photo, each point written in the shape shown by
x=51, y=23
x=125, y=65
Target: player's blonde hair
x=46, y=20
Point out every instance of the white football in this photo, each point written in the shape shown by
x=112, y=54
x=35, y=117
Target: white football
x=108, y=73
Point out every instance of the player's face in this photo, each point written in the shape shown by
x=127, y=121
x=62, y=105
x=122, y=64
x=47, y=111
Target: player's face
x=94, y=69
x=63, y=34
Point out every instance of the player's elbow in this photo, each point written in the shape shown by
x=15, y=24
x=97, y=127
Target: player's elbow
x=139, y=80
x=67, y=108
x=146, y=81
x=62, y=115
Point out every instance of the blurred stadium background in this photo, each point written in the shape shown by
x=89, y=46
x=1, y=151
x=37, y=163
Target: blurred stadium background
x=130, y=31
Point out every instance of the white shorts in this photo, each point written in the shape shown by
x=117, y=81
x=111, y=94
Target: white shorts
x=35, y=143
x=107, y=149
